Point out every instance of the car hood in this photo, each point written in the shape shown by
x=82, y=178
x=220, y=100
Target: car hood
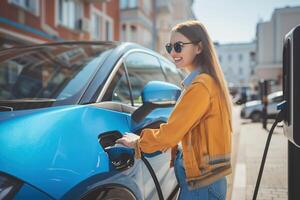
x=55, y=148
x=253, y=103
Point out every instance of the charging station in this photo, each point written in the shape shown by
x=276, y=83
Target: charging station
x=289, y=114
x=291, y=83
x=291, y=93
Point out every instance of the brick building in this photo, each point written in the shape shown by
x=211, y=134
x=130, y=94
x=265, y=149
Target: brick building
x=39, y=21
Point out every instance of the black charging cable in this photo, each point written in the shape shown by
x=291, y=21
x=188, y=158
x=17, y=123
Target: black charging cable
x=152, y=173
x=280, y=116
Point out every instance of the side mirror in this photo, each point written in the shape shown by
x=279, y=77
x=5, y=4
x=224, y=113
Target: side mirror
x=156, y=94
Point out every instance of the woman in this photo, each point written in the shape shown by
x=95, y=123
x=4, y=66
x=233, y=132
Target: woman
x=200, y=121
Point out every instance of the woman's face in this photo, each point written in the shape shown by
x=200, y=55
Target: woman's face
x=185, y=58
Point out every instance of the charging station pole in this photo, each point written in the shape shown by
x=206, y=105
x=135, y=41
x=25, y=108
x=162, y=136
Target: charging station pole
x=293, y=172
x=264, y=99
x=291, y=94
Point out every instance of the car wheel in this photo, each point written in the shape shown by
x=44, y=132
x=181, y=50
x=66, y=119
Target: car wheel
x=110, y=194
x=256, y=117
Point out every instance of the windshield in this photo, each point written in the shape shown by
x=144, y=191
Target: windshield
x=53, y=72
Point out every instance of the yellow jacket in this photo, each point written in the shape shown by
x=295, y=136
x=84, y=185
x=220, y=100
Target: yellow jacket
x=200, y=122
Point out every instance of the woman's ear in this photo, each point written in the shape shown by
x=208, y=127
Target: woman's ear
x=199, y=47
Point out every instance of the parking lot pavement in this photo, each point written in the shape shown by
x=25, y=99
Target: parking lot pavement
x=249, y=145
x=235, y=142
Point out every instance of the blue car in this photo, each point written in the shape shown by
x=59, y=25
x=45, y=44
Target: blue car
x=63, y=106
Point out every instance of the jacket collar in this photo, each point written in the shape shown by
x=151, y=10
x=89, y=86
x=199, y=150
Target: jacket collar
x=189, y=78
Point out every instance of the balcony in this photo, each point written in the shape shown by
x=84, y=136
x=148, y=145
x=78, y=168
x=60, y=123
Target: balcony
x=164, y=6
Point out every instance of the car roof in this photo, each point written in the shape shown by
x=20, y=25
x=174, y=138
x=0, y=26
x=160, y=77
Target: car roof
x=275, y=94
x=118, y=49
x=112, y=44
x=61, y=43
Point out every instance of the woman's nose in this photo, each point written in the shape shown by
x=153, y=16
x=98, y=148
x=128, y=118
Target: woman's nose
x=173, y=53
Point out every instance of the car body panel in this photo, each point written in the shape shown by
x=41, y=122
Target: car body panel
x=29, y=192
x=63, y=149
x=55, y=150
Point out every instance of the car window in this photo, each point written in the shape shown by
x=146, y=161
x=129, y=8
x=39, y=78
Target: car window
x=142, y=68
x=50, y=72
x=172, y=73
x=118, y=90
x=277, y=99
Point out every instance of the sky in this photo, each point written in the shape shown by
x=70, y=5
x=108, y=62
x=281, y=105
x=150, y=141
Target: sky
x=234, y=21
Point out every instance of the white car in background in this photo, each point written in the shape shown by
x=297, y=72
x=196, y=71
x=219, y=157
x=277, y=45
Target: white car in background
x=253, y=109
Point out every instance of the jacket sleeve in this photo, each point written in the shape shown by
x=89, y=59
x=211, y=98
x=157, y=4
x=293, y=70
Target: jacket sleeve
x=188, y=111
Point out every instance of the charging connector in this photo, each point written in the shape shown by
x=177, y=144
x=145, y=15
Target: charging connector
x=152, y=173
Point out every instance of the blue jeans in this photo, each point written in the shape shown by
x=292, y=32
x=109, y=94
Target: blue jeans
x=214, y=191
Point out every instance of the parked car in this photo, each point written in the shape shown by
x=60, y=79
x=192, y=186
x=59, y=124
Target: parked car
x=253, y=109
x=62, y=107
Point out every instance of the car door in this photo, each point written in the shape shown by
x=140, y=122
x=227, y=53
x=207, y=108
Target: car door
x=143, y=67
x=117, y=97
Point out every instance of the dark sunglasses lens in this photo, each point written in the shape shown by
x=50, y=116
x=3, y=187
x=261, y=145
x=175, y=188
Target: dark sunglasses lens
x=169, y=48
x=177, y=47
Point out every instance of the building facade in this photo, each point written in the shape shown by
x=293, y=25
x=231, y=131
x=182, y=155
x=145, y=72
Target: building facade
x=237, y=62
x=182, y=11
x=39, y=21
x=137, y=21
x=148, y=22
x=164, y=24
x=270, y=35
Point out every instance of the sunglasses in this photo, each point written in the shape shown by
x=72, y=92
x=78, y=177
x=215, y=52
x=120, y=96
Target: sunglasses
x=177, y=46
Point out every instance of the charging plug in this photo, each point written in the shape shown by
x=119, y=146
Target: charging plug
x=282, y=113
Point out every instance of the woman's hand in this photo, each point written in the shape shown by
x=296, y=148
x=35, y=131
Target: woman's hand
x=128, y=140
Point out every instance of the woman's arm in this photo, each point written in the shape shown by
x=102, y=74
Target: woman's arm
x=188, y=111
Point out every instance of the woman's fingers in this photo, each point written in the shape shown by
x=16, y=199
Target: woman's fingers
x=128, y=139
x=124, y=141
x=121, y=141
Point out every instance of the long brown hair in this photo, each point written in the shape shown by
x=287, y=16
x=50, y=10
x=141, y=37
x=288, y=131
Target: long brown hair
x=207, y=59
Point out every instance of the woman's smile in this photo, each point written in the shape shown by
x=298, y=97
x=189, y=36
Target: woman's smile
x=177, y=59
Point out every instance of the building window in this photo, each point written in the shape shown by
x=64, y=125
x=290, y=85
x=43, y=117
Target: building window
x=132, y=34
x=220, y=59
x=124, y=4
x=240, y=57
x=241, y=71
x=147, y=6
x=229, y=57
x=108, y=30
x=252, y=56
x=69, y=13
x=132, y=3
x=29, y=5
x=102, y=26
x=123, y=33
x=162, y=24
x=96, y=26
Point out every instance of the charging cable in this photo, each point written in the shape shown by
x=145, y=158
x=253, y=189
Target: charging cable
x=280, y=116
x=152, y=173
